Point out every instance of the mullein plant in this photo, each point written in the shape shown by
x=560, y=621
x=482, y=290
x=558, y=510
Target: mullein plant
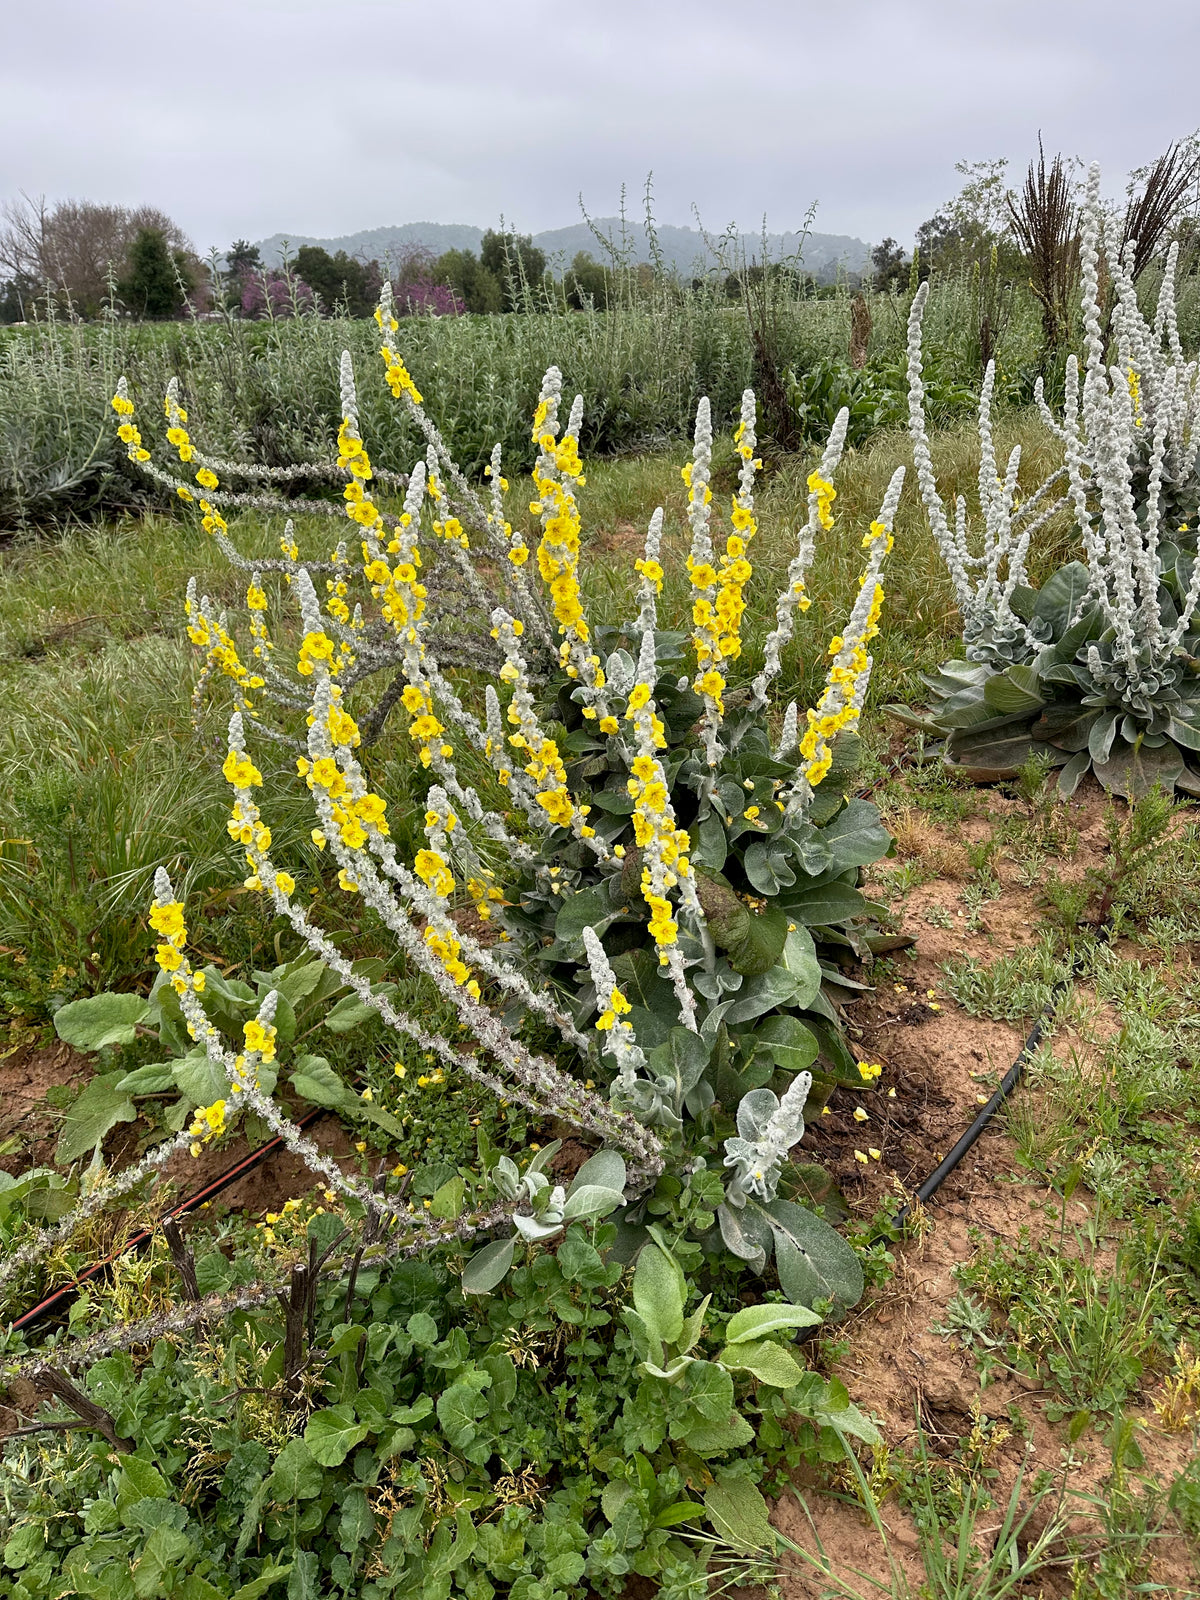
x=679, y=887
x=1097, y=669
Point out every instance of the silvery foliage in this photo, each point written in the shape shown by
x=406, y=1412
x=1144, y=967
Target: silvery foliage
x=985, y=579
x=1130, y=458
x=767, y=1129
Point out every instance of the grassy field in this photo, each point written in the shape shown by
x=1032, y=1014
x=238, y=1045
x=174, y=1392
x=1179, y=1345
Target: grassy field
x=1029, y=1343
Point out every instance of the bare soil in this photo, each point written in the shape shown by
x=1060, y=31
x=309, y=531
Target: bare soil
x=943, y=1064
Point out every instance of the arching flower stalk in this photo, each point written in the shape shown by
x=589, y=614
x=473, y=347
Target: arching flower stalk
x=650, y=587
x=663, y=846
x=556, y=472
x=794, y=595
x=530, y=1080
x=841, y=702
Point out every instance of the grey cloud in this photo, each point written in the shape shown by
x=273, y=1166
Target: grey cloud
x=245, y=118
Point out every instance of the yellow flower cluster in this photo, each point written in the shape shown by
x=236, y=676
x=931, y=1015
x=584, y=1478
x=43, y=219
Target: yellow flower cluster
x=869, y=1071
x=650, y=570
x=396, y=373
x=1135, y=395
x=259, y=1039
x=434, y=871
x=518, y=550
x=558, y=560
x=826, y=494
x=128, y=432
x=256, y=605
x=209, y=1124
x=558, y=466
x=353, y=817
x=544, y=764
x=618, y=1006
x=209, y=635
x=353, y=458
x=482, y=895
x=316, y=647
x=445, y=527
x=664, y=846
x=836, y=709
x=167, y=922
x=424, y=727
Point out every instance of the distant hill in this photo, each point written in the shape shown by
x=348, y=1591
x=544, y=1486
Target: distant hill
x=683, y=249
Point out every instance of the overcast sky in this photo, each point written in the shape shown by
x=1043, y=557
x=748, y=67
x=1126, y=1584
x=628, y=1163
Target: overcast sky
x=242, y=118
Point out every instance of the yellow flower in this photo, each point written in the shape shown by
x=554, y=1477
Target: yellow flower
x=206, y=478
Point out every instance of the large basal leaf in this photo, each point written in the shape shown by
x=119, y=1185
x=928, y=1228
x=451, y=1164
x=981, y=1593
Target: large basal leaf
x=1065, y=727
x=488, y=1267
x=659, y=1293
x=718, y=1438
x=1072, y=774
x=1102, y=733
x=967, y=709
x=589, y=908
x=800, y=958
x=637, y=974
x=315, y=1080
x=1132, y=771
x=990, y=757
x=709, y=844
x=727, y=917
x=1090, y=626
x=606, y=1168
x=1061, y=596
x=353, y=1011
x=825, y=906
x=856, y=836
x=1185, y=734
x=761, y=943
x=747, y=1234
x=758, y=1322
x=790, y=1044
x=201, y=1080
x=682, y=1059
x=155, y=1079
x=767, y=867
x=814, y=1262
x=738, y=1513
x=765, y=1360
x=100, y=1107
x=1013, y=692
x=759, y=995
x=590, y=1200
x=815, y=1187
x=100, y=1020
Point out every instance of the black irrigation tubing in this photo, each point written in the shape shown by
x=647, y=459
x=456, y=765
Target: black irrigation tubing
x=1007, y=1084
x=61, y=1298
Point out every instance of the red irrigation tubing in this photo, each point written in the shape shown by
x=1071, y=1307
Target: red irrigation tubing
x=62, y=1297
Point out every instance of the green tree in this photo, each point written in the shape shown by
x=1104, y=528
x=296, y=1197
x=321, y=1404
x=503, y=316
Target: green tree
x=157, y=280
x=477, y=288
x=339, y=279
x=588, y=283
x=17, y=296
x=889, y=266
x=515, y=262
